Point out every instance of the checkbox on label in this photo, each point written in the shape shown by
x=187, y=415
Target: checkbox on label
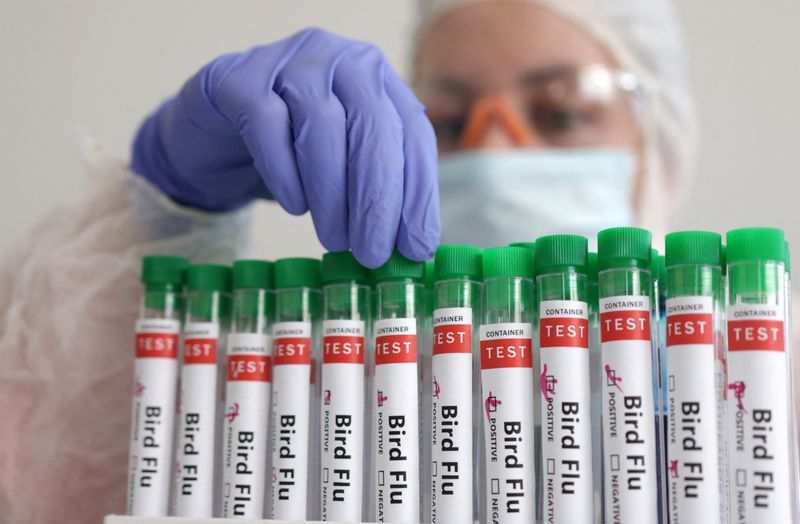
x=380, y=478
x=551, y=466
x=434, y=469
x=741, y=477
x=672, y=382
x=325, y=475
x=495, y=486
x=614, y=462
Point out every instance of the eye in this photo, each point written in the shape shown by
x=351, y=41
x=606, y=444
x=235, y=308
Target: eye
x=448, y=130
x=560, y=119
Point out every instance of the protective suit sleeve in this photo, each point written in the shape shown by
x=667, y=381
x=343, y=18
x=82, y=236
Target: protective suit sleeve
x=69, y=295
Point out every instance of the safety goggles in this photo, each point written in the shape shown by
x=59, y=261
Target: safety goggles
x=557, y=107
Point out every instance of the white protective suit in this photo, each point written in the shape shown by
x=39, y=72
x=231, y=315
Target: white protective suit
x=69, y=296
x=69, y=289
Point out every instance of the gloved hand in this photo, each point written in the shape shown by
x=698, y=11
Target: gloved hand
x=318, y=123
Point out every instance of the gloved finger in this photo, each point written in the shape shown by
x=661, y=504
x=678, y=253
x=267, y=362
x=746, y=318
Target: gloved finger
x=374, y=156
x=318, y=122
x=419, y=230
x=241, y=86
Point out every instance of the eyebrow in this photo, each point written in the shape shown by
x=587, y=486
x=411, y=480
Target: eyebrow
x=536, y=76
x=546, y=74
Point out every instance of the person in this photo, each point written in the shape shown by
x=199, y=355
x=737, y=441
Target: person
x=525, y=118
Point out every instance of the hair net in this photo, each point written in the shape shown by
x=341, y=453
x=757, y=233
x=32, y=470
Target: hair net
x=69, y=293
x=643, y=36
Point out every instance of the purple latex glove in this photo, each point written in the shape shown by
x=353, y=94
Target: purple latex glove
x=318, y=123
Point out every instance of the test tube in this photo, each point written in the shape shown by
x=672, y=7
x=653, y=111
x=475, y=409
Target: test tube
x=297, y=302
x=760, y=447
x=208, y=305
x=694, y=383
x=346, y=306
x=596, y=376
x=155, y=384
x=395, y=432
x=630, y=456
x=456, y=309
x=247, y=392
x=508, y=394
x=563, y=325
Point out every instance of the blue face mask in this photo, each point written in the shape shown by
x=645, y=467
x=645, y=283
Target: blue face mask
x=493, y=198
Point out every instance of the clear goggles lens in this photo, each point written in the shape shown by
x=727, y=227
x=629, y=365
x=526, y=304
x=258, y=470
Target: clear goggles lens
x=572, y=107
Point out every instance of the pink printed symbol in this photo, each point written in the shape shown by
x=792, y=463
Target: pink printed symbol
x=548, y=384
x=612, y=379
x=274, y=475
x=138, y=388
x=381, y=398
x=491, y=405
x=673, y=468
x=327, y=397
x=738, y=391
x=436, y=388
x=232, y=412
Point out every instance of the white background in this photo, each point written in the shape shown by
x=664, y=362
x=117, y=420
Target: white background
x=101, y=65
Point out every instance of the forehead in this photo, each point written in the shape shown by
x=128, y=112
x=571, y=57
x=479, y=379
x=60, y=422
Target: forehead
x=491, y=44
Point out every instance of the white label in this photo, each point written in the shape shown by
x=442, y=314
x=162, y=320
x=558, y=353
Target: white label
x=153, y=417
x=342, y=420
x=451, y=415
x=692, y=445
x=396, y=421
x=508, y=397
x=629, y=440
x=758, y=411
x=246, y=419
x=194, y=477
x=290, y=424
x=566, y=411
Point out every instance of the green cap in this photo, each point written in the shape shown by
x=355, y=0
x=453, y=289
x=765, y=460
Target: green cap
x=723, y=258
x=524, y=245
x=458, y=261
x=507, y=262
x=591, y=267
x=756, y=243
x=209, y=277
x=298, y=272
x=621, y=247
x=164, y=272
x=700, y=248
x=257, y=274
x=787, y=261
x=399, y=267
x=342, y=267
x=559, y=253
x=430, y=274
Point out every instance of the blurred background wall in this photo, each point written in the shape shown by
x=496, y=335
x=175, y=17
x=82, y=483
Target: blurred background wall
x=97, y=67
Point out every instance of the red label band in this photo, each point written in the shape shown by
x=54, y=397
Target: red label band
x=755, y=335
x=452, y=338
x=156, y=345
x=290, y=350
x=343, y=350
x=564, y=332
x=200, y=351
x=690, y=328
x=625, y=325
x=506, y=353
x=249, y=367
x=396, y=349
